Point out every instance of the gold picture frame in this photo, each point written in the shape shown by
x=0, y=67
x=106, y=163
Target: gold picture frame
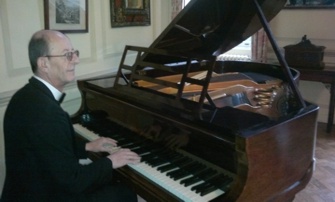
x=130, y=13
x=310, y=4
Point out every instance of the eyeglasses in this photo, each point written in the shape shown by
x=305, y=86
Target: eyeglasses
x=68, y=55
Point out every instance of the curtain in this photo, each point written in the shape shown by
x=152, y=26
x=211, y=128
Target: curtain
x=259, y=46
x=177, y=5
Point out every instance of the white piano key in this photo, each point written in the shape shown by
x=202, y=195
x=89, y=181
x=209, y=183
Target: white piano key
x=84, y=132
x=174, y=186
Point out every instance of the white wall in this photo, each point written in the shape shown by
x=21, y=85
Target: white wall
x=100, y=49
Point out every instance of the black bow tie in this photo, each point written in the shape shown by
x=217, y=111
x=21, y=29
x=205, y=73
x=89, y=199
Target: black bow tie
x=61, y=98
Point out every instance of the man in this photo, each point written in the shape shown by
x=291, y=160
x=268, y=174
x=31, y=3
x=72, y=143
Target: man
x=42, y=156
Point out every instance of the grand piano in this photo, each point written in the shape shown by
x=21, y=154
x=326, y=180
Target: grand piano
x=206, y=130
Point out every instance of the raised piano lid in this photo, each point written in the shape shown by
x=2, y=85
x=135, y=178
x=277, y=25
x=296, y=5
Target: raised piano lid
x=200, y=32
x=212, y=27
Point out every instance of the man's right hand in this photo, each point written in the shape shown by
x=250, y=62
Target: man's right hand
x=123, y=157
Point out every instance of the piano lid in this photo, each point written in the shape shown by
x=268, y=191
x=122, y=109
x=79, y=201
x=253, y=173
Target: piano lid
x=212, y=27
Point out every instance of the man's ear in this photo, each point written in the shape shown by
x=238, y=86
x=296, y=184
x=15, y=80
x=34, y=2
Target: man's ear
x=42, y=63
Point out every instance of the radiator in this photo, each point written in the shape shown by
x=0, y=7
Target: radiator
x=233, y=57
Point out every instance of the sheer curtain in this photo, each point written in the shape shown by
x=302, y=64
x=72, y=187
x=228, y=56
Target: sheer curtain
x=259, y=46
x=177, y=5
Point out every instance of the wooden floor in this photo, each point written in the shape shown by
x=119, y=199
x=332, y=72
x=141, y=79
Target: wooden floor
x=321, y=188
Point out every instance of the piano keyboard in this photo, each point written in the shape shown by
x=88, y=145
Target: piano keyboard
x=169, y=175
x=84, y=132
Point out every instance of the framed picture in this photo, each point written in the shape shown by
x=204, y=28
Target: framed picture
x=130, y=13
x=68, y=16
x=305, y=4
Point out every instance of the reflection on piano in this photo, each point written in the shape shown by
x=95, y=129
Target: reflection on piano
x=207, y=130
x=187, y=177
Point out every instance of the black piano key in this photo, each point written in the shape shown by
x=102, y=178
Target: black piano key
x=207, y=190
x=183, y=171
x=191, y=169
x=170, y=155
x=161, y=157
x=135, y=147
x=206, y=185
x=125, y=144
x=153, y=158
x=175, y=172
x=129, y=143
x=198, y=188
x=203, y=175
x=149, y=156
x=191, y=180
x=180, y=174
x=217, y=182
x=166, y=168
x=158, y=162
x=141, y=150
x=173, y=164
x=194, y=167
x=157, y=150
x=197, y=168
x=224, y=184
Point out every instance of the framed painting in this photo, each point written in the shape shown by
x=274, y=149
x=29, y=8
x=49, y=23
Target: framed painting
x=306, y=4
x=130, y=13
x=68, y=16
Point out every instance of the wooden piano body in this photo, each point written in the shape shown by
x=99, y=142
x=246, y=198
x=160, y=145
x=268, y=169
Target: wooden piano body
x=265, y=157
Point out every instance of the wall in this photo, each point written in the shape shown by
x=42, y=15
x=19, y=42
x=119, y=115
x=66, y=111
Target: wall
x=100, y=48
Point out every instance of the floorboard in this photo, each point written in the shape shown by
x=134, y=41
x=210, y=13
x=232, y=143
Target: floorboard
x=321, y=188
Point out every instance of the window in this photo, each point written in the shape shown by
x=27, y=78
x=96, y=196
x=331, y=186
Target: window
x=186, y=2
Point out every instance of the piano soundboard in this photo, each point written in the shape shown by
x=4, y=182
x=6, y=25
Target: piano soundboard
x=183, y=175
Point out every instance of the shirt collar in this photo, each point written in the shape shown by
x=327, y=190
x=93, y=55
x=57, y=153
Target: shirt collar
x=56, y=93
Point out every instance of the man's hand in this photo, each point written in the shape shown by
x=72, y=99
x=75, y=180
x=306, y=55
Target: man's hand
x=123, y=157
x=102, y=144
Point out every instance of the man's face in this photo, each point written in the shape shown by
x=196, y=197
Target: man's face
x=61, y=70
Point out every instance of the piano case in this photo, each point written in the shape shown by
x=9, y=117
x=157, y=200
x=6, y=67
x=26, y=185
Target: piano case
x=230, y=131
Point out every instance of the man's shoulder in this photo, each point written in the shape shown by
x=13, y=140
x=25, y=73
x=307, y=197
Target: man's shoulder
x=30, y=98
x=26, y=93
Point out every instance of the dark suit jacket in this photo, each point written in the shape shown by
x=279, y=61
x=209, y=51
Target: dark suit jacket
x=41, y=153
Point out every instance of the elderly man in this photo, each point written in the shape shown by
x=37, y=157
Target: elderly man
x=40, y=149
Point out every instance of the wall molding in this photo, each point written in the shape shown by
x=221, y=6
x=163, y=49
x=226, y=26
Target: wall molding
x=7, y=95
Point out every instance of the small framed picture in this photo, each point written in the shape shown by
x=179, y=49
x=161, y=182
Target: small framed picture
x=305, y=4
x=68, y=16
x=125, y=13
